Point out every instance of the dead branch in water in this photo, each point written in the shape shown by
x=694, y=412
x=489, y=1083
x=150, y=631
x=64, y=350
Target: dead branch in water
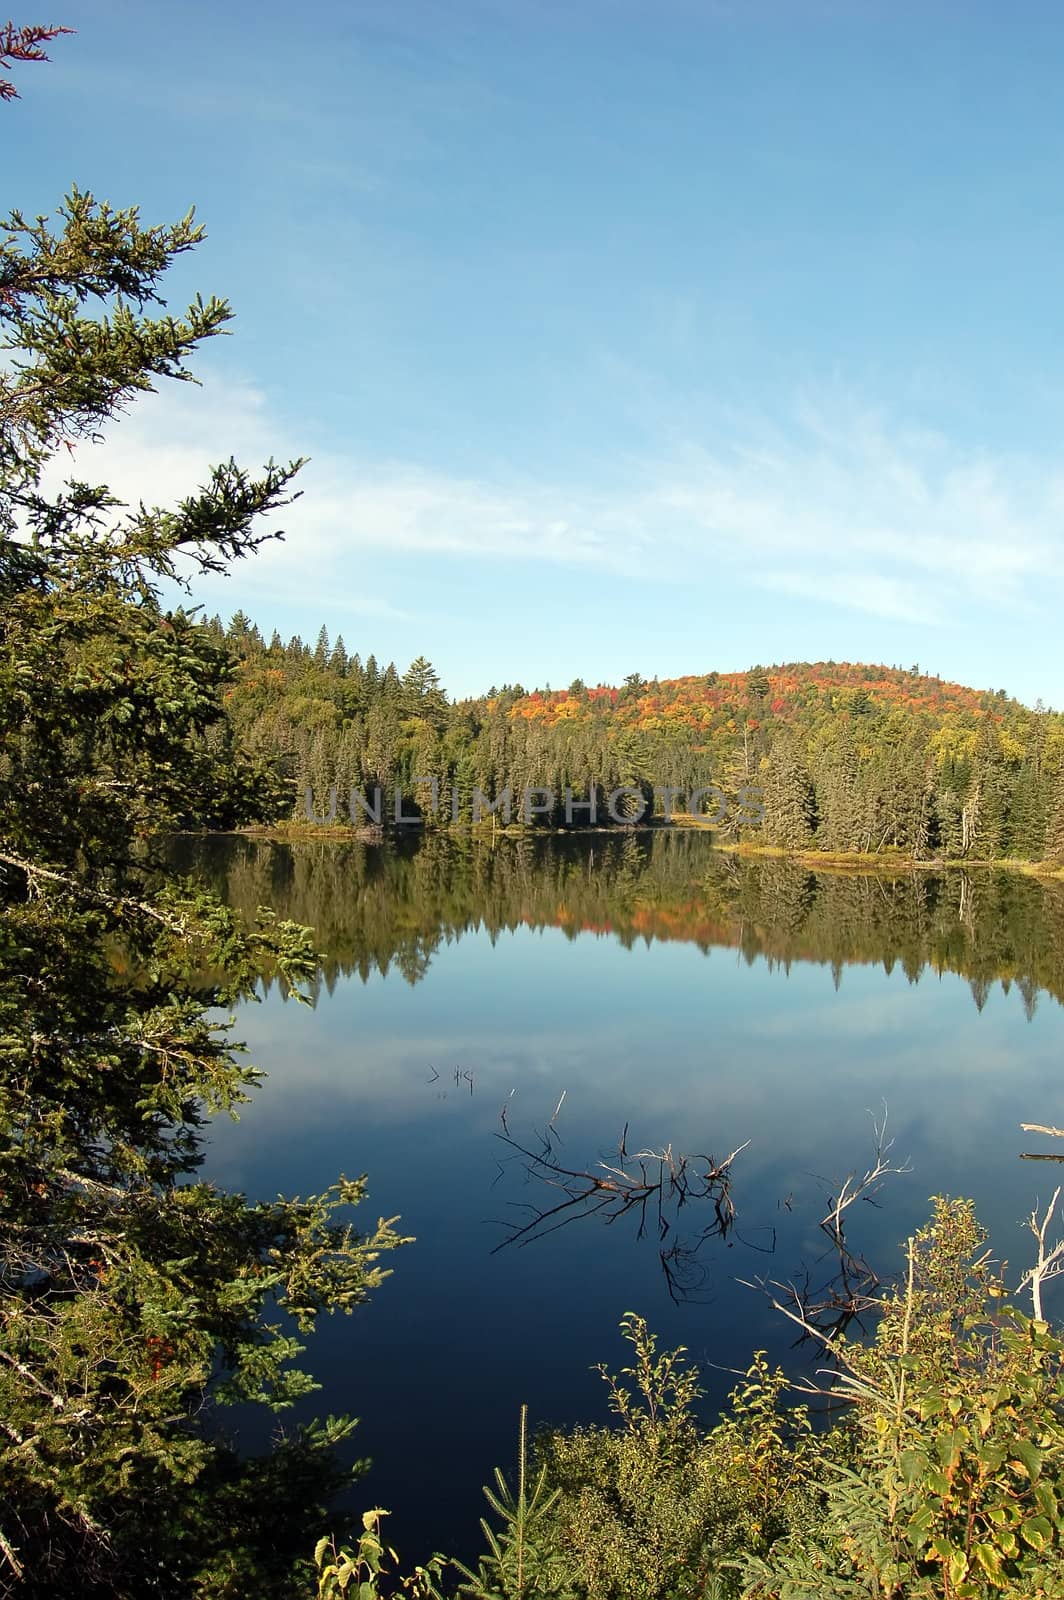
x=825, y=1312
x=1051, y=1133
x=651, y=1185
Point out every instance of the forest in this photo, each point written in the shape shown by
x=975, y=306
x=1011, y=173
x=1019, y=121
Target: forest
x=850, y=759
x=140, y=1302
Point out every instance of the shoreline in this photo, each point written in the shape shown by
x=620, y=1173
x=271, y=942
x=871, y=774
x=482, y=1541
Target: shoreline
x=817, y=860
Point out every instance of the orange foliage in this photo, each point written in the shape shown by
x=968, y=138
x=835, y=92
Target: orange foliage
x=796, y=692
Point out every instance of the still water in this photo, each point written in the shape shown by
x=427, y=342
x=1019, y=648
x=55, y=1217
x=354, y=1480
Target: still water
x=648, y=984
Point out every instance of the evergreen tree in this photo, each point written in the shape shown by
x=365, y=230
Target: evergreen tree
x=986, y=812
x=422, y=695
x=390, y=688
x=382, y=744
x=338, y=659
x=1054, y=838
x=790, y=799
x=1028, y=814
x=321, y=772
x=838, y=789
x=757, y=683
x=22, y=44
x=893, y=764
x=348, y=761
x=134, y=1297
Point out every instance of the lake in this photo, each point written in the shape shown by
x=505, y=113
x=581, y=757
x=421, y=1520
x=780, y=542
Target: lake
x=573, y=992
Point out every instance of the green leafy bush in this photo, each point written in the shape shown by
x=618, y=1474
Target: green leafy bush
x=956, y=1489
x=655, y=1506
x=942, y=1479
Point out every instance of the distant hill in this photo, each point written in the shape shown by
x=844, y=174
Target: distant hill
x=789, y=693
x=849, y=757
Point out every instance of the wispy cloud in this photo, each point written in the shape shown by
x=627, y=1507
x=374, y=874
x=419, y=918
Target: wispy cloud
x=858, y=591
x=836, y=506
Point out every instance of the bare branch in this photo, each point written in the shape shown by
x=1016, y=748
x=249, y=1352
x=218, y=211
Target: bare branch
x=651, y=1185
x=852, y=1291
x=1050, y=1263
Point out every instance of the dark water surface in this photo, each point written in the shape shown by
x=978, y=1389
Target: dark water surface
x=695, y=999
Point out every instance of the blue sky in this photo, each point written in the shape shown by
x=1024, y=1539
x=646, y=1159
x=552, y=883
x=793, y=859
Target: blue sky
x=622, y=337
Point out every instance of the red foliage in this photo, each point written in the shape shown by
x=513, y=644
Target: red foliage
x=798, y=692
x=23, y=44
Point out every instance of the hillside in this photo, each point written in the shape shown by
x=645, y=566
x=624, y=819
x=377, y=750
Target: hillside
x=781, y=692
x=850, y=757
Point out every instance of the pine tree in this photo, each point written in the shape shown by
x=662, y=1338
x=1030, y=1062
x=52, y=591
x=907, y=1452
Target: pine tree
x=987, y=813
x=134, y=1297
x=322, y=775
x=422, y=695
x=1027, y=814
x=348, y=765
x=757, y=683
x=838, y=788
x=22, y=44
x=382, y=744
x=338, y=659
x=790, y=799
x=390, y=688
x=1053, y=849
x=240, y=632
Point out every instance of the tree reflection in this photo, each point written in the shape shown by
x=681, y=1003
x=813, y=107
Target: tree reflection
x=379, y=907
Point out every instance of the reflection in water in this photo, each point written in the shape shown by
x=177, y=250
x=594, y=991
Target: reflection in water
x=823, y=1308
x=376, y=906
x=1051, y=1133
x=649, y=1188
x=468, y=990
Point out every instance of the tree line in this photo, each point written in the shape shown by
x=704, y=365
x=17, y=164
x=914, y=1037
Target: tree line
x=848, y=758
x=138, y=1301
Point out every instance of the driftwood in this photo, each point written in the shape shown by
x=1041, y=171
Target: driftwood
x=1050, y=1133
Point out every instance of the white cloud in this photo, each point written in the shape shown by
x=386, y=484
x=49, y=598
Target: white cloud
x=836, y=506
x=857, y=591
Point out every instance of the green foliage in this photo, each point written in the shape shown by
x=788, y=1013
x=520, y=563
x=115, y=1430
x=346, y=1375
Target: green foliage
x=378, y=909
x=658, y=1508
x=521, y=1562
x=851, y=758
x=360, y=1571
x=942, y=1479
x=956, y=1486
x=135, y=1298
x=70, y=372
